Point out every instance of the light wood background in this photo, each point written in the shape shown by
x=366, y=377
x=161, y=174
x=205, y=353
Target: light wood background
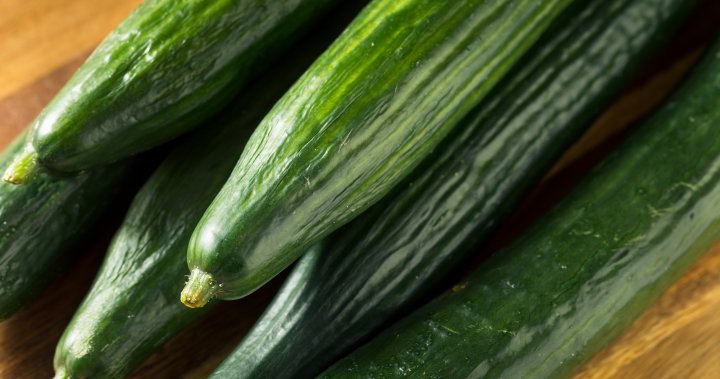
x=43, y=41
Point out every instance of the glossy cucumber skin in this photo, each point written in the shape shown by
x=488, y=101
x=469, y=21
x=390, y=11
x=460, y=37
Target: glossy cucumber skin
x=385, y=261
x=367, y=112
x=585, y=270
x=132, y=308
x=169, y=66
x=44, y=223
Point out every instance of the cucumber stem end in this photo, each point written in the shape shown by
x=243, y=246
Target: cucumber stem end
x=60, y=373
x=23, y=168
x=199, y=289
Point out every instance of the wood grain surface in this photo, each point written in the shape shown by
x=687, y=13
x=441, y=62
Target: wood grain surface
x=42, y=42
x=38, y=36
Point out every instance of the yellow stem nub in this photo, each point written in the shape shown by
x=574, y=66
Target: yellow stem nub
x=199, y=289
x=24, y=167
x=61, y=373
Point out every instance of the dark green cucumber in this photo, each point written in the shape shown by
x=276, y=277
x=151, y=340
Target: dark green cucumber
x=360, y=119
x=381, y=264
x=132, y=308
x=169, y=66
x=43, y=224
x=584, y=271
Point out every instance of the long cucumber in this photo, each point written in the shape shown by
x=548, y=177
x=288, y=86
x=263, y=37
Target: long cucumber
x=382, y=263
x=132, y=308
x=584, y=271
x=367, y=112
x=43, y=224
x=167, y=68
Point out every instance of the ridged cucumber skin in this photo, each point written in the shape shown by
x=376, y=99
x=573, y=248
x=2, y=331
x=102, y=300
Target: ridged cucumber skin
x=367, y=112
x=584, y=271
x=132, y=308
x=169, y=66
x=43, y=225
x=386, y=260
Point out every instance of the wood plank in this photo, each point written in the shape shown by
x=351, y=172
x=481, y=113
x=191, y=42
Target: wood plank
x=38, y=36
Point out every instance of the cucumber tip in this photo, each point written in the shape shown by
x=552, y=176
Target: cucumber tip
x=61, y=373
x=199, y=289
x=23, y=168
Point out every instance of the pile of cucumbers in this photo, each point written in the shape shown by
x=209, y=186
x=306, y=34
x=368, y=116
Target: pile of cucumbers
x=378, y=144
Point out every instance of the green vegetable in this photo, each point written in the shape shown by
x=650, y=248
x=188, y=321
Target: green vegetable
x=584, y=271
x=43, y=224
x=385, y=261
x=360, y=119
x=132, y=308
x=169, y=66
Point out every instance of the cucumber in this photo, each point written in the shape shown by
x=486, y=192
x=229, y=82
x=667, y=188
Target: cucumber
x=127, y=314
x=169, y=66
x=382, y=263
x=378, y=101
x=44, y=224
x=584, y=271
x=132, y=308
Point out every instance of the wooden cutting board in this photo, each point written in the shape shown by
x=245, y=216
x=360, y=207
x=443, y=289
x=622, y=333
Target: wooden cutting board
x=43, y=41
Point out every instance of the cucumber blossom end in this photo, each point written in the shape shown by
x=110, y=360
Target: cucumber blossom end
x=61, y=373
x=199, y=289
x=23, y=168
